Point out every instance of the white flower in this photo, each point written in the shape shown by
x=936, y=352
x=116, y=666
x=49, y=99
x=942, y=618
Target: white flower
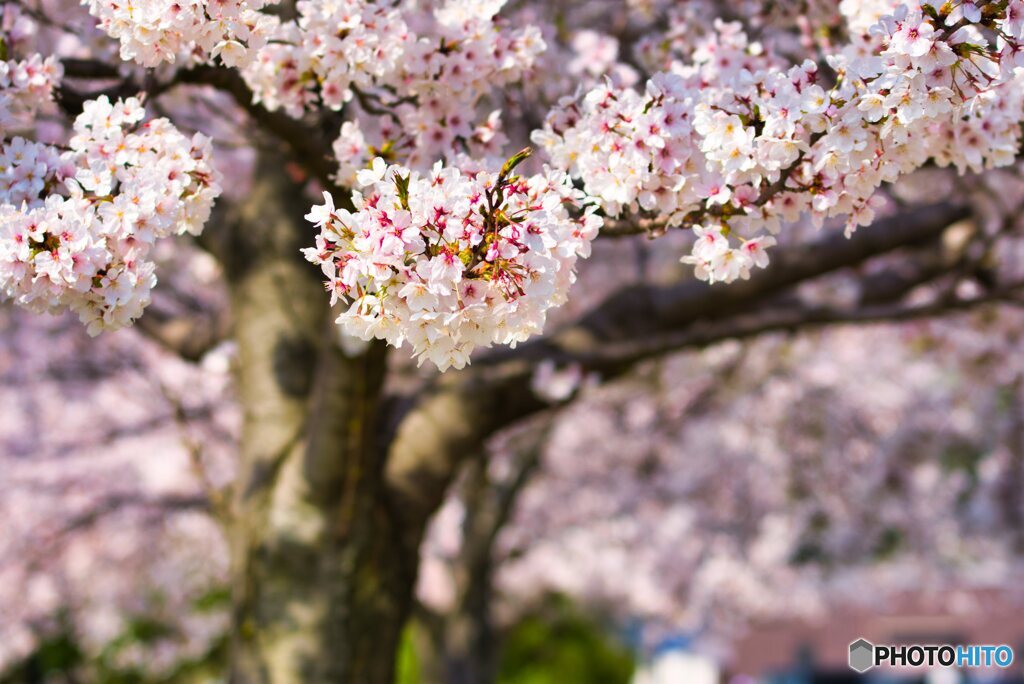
x=873, y=106
x=757, y=250
x=372, y=175
x=320, y=214
x=913, y=36
x=710, y=242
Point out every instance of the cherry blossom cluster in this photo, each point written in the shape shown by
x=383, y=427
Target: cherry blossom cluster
x=736, y=146
x=156, y=31
x=428, y=104
x=330, y=49
x=26, y=84
x=453, y=259
x=76, y=227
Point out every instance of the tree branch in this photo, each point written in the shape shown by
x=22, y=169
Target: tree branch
x=88, y=68
x=449, y=423
x=644, y=310
x=188, y=336
x=622, y=355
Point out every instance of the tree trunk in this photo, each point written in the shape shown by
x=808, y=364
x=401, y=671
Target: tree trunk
x=322, y=579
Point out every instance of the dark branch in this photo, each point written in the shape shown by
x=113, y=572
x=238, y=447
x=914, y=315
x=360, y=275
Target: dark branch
x=462, y=409
x=189, y=336
x=644, y=310
x=790, y=319
x=88, y=68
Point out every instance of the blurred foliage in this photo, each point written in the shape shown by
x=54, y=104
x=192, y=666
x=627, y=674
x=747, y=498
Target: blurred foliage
x=553, y=646
x=55, y=660
x=60, y=660
x=407, y=665
x=565, y=647
x=557, y=645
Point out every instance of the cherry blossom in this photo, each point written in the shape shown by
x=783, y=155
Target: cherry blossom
x=126, y=184
x=451, y=261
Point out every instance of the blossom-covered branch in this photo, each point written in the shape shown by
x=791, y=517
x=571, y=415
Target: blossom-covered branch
x=735, y=146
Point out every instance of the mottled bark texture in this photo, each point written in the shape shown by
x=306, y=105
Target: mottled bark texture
x=321, y=576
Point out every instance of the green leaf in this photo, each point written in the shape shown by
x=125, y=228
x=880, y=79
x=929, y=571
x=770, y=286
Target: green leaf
x=514, y=161
x=402, y=186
